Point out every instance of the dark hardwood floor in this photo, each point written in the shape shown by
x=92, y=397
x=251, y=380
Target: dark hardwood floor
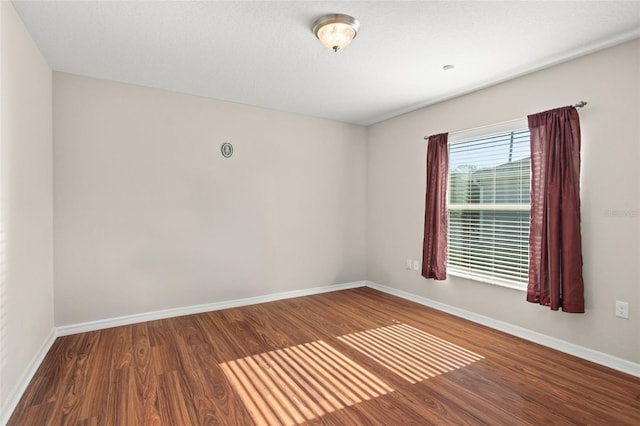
x=345, y=358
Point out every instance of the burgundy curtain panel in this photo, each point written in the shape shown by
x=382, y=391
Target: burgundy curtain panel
x=434, y=246
x=555, y=243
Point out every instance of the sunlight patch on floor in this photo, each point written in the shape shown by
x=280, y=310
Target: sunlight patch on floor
x=409, y=352
x=300, y=383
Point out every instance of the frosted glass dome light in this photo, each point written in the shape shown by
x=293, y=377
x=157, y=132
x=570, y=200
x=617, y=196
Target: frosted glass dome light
x=335, y=31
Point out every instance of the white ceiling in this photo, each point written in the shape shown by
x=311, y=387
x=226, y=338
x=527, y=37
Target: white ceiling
x=263, y=53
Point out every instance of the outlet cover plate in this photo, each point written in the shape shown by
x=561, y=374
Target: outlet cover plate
x=622, y=309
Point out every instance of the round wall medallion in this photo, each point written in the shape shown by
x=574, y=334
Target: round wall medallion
x=226, y=149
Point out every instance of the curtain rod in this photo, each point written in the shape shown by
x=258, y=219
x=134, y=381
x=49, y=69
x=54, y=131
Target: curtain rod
x=577, y=105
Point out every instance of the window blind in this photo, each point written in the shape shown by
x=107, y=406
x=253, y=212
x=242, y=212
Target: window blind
x=488, y=206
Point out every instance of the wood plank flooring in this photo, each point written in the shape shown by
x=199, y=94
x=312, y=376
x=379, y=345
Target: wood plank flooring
x=342, y=358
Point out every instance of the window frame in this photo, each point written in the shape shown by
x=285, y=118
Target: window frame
x=474, y=134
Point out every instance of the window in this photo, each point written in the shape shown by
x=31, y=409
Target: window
x=488, y=204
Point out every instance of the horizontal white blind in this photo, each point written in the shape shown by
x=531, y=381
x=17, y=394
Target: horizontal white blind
x=489, y=203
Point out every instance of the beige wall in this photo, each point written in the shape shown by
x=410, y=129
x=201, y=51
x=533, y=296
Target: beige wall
x=150, y=216
x=610, y=82
x=26, y=233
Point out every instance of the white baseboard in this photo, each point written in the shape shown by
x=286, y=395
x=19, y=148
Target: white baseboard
x=601, y=358
x=66, y=330
x=18, y=390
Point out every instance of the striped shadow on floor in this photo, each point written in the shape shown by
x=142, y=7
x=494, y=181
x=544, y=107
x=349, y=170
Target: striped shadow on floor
x=409, y=352
x=300, y=383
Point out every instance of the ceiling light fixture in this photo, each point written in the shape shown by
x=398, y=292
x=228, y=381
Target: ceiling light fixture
x=335, y=31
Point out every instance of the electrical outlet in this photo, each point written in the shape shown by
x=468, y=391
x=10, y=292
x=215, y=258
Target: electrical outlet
x=416, y=265
x=622, y=309
x=407, y=264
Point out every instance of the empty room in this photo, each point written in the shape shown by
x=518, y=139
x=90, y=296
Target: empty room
x=318, y=212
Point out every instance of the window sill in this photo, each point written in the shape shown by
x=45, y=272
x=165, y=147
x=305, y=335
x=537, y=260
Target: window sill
x=487, y=280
